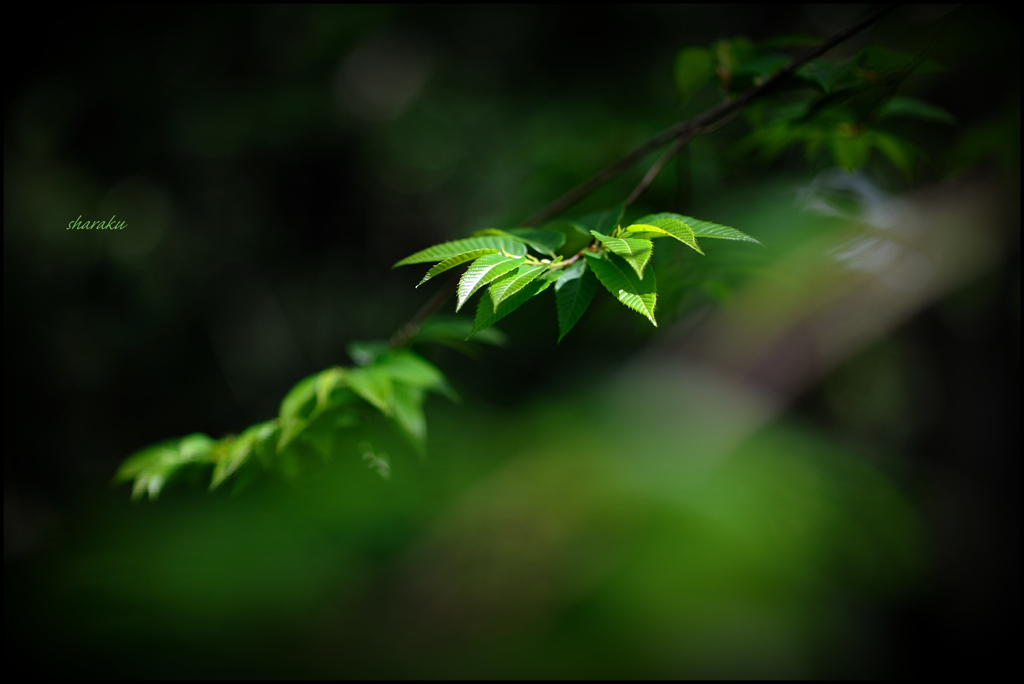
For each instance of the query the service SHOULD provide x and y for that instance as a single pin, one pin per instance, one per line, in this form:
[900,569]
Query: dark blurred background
[272,163]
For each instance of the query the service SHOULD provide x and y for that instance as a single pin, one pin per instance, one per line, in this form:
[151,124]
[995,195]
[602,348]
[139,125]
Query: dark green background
[272,163]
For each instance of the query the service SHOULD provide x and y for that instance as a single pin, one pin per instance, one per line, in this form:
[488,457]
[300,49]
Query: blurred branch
[656,168]
[673,149]
[688,128]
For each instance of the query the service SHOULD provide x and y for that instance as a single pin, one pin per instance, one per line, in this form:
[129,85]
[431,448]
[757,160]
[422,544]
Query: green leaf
[898,151]
[729,55]
[452,262]
[680,231]
[700,228]
[484,270]
[240,450]
[692,69]
[613,272]
[322,433]
[523,276]
[298,398]
[409,368]
[487,314]
[447,250]
[574,289]
[325,384]
[605,221]
[636,252]
[290,429]
[373,385]
[850,151]
[914,108]
[671,225]
[824,74]
[237,453]
[265,445]
[453,330]
[408,405]
[152,467]
[543,240]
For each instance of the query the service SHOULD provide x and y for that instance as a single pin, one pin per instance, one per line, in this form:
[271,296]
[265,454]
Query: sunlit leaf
[487,314]
[265,445]
[670,225]
[325,384]
[700,228]
[484,270]
[447,250]
[237,453]
[452,262]
[616,275]
[693,68]
[574,289]
[298,398]
[153,466]
[523,276]
[373,385]
[636,251]
[408,368]
[290,429]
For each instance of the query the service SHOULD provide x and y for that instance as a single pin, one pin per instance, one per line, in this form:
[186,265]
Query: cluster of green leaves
[320,417]
[618,258]
[841,108]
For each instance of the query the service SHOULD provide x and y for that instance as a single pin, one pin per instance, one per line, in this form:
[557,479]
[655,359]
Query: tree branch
[681,133]
[673,149]
[708,117]
[656,168]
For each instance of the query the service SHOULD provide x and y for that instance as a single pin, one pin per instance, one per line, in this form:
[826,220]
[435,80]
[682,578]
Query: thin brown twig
[708,117]
[656,168]
[672,151]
